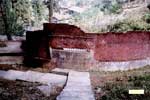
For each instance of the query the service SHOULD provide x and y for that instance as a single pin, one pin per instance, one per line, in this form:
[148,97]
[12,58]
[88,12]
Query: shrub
[110,7]
[129,25]
[146,17]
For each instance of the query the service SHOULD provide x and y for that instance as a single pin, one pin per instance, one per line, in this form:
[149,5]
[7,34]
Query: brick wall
[106,47]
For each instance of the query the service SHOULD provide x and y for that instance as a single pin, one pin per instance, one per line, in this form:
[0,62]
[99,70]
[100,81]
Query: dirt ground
[20,90]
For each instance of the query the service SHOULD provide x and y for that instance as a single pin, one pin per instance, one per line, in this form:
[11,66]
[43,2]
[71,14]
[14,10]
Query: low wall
[111,51]
[84,61]
[106,47]
[122,46]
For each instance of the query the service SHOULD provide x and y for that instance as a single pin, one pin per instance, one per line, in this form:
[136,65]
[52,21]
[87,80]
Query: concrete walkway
[78,87]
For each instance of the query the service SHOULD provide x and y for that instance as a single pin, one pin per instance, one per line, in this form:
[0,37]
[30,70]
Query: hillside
[99,15]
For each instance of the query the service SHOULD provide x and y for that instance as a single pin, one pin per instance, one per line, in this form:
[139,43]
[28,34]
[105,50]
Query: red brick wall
[119,47]
[106,47]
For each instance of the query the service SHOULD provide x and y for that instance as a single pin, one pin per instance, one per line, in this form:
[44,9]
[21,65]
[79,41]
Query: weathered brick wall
[120,47]
[106,47]
[69,36]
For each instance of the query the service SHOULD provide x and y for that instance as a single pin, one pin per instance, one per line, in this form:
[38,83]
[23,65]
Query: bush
[114,8]
[146,17]
[129,25]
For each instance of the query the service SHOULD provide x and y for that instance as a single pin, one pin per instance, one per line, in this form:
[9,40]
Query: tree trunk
[50,7]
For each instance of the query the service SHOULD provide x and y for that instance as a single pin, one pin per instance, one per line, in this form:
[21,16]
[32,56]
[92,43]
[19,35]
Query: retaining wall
[107,51]
[106,46]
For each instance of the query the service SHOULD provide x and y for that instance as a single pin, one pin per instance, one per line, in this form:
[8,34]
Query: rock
[45,89]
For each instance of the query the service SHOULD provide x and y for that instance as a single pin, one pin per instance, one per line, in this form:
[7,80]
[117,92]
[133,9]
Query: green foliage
[129,25]
[111,7]
[10,18]
[22,14]
[146,17]
[38,11]
[119,90]
[23,11]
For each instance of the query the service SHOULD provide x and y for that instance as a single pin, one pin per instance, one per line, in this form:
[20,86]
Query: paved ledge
[122,66]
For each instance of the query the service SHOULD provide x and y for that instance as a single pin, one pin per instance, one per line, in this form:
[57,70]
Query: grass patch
[119,90]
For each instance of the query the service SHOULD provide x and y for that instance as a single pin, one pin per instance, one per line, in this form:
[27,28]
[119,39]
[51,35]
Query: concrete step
[53,79]
[31,76]
[13,75]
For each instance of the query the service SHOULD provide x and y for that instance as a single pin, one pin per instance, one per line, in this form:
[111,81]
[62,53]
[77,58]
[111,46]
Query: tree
[12,16]
[6,11]
[39,13]
[50,5]
[23,10]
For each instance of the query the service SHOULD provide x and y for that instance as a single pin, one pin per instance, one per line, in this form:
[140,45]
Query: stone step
[31,76]
[53,79]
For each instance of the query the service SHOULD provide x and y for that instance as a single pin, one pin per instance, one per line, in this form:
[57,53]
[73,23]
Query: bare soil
[20,90]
